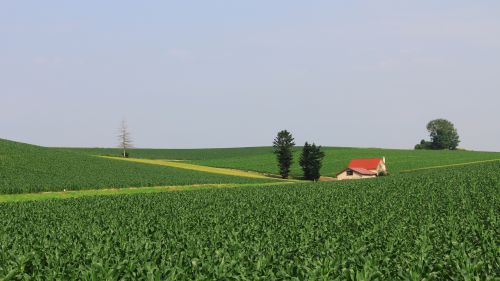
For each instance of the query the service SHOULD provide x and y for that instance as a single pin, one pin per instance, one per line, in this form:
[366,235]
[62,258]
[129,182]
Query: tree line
[310,159]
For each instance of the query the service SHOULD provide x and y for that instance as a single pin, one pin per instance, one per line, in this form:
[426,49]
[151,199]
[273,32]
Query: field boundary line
[71,194]
[200,168]
[449,165]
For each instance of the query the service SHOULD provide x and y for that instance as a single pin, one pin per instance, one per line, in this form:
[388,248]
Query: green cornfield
[27,168]
[435,225]
[262,159]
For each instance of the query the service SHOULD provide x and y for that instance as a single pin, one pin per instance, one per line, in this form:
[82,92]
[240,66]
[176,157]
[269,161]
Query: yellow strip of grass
[200,168]
[121,191]
[450,165]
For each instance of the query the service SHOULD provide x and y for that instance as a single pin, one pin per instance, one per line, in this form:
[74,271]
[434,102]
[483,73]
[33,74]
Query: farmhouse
[363,169]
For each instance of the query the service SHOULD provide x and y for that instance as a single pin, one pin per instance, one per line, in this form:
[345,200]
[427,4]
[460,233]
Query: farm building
[363,169]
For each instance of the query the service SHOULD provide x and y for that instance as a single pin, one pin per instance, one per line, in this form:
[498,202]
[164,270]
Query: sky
[233,73]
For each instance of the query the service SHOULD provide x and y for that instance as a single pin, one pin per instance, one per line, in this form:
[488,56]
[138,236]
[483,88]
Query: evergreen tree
[310,161]
[283,145]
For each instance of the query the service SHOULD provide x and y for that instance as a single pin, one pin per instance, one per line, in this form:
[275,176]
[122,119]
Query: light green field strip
[450,165]
[120,191]
[200,168]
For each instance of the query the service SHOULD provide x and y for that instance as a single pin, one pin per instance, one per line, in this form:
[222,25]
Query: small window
[349,172]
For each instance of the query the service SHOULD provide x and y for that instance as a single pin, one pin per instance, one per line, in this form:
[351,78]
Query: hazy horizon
[230,147]
[232,74]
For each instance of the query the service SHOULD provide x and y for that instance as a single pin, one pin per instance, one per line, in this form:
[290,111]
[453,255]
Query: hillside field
[28,168]
[437,224]
[262,159]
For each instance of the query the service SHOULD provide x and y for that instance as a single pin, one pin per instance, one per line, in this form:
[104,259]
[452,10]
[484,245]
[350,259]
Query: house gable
[363,168]
[356,173]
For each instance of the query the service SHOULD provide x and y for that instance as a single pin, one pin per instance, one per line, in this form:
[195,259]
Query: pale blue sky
[233,73]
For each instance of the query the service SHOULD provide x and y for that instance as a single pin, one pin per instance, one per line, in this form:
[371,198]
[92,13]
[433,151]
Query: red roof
[363,171]
[368,163]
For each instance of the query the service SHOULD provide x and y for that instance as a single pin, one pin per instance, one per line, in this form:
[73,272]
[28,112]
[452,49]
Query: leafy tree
[283,145]
[423,145]
[310,161]
[443,134]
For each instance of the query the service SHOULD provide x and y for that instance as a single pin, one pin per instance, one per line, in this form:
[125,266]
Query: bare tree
[124,138]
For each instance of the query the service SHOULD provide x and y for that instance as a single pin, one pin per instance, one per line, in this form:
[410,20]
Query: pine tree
[310,161]
[283,145]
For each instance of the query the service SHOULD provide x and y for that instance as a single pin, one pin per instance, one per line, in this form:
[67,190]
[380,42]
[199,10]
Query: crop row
[26,168]
[438,225]
[262,159]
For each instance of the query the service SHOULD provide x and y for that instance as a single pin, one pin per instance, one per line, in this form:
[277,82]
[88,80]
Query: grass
[261,159]
[193,167]
[22,197]
[450,165]
[179,154]
[337,158]
[434,225]
[27,168]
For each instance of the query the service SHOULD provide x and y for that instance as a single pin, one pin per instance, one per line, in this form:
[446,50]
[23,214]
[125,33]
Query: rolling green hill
[262,159]
[28,168]
[181,154]
[434,225]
